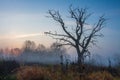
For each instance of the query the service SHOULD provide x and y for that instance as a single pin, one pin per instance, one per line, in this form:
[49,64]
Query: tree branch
[55,34]
[56,16]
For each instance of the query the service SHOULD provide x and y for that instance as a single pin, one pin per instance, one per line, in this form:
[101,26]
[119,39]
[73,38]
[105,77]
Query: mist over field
[30,54]
[59,40]
[54,57]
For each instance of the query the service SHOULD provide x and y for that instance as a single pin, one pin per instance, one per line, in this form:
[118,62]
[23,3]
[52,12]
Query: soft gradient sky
[22,20]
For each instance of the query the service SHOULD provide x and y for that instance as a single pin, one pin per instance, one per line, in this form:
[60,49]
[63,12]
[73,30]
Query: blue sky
[22,20]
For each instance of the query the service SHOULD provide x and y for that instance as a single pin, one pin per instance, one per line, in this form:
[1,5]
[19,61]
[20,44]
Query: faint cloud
[29,35]
[73,23]
[4,37]
[87,26]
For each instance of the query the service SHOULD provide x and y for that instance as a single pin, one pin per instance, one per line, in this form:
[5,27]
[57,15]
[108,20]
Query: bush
[6,67]
[8,77]
[100,76]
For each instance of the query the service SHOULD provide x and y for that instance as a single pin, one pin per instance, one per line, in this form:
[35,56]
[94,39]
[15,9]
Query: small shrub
[6,67]
[8,77]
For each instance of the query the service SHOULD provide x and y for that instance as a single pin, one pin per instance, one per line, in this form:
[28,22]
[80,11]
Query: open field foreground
[57,72]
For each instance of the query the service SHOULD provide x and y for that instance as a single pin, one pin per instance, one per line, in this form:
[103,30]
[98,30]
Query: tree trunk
[80,57]
[80,63]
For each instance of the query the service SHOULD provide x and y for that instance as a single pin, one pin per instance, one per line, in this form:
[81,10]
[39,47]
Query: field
[10,70]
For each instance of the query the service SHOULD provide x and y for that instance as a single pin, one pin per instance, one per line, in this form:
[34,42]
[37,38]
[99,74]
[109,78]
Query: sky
[22,20]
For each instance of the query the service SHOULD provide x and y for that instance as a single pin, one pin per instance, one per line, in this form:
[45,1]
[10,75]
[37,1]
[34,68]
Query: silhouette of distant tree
[1,50]
[116,58]
[57,49]
[82,35]
[29,46]
[15,51]
[41,48]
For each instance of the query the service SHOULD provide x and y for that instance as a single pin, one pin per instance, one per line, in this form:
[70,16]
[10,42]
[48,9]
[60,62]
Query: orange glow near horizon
[16,41]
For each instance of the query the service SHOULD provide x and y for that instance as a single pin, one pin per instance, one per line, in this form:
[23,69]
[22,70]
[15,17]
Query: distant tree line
[31,46]
[30,51]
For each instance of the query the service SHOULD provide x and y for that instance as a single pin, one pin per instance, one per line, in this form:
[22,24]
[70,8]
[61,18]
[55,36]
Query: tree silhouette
[41,48]
[82,35]
[56,48]
[29,46]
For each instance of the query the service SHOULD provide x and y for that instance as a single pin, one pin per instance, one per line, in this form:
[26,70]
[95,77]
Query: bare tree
[56,48]
[29,46]
[82,35]
[116,59]
[41,48]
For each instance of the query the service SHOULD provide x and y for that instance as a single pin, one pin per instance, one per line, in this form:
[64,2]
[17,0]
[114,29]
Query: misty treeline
[31,46]
[32,52]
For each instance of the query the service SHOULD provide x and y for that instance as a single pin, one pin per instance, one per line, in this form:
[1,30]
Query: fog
[45,58]
[55,58]
[32,53]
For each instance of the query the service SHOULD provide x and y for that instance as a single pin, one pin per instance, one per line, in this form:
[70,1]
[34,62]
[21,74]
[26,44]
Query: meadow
[11,70]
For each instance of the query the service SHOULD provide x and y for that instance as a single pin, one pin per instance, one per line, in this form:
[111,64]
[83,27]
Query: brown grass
[33,73]
[103,75]
[55,73]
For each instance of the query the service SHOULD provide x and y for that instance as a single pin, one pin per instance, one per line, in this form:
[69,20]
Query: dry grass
[100,76]
[44,73]
[33,73]
[55,73]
